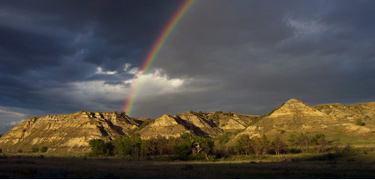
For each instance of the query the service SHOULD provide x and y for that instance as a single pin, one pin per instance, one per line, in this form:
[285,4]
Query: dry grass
[288,166]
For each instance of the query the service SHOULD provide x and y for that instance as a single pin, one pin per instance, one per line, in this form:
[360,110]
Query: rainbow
[153,53]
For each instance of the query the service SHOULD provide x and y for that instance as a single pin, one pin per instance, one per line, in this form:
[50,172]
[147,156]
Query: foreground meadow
[306,165]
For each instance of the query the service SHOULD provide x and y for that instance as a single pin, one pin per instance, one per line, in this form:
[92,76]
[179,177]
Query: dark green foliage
[262,145]
[99,147]
[228,113]
[130,144]
[202,145]
[34,149]
[244,145]
[183,147]
[1,150]
[359,122]
[19,151]
[269,113]
[44,149]
[274,109]
[314,139]
[301,140]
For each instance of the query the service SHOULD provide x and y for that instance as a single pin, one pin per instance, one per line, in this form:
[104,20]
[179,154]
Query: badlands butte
[72,132]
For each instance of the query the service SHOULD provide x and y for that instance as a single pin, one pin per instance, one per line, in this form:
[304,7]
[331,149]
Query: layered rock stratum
[72,132]
[67,132]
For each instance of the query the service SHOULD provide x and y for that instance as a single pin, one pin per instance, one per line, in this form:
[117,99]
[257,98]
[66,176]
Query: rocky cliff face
[72,132]
[68,132]
[332,119]
[165,126]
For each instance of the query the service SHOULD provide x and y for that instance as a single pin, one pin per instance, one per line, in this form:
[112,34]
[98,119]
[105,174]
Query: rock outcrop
[72,132]
[68,132]
[332,119]
[165,126]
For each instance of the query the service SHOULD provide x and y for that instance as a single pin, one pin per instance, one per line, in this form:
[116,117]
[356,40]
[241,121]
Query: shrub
[315,138]
[1,150]
[19,151]
[359,122]
[34,149]
[44,149]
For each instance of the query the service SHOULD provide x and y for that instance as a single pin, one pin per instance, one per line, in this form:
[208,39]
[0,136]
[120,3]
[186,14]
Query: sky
[244,56]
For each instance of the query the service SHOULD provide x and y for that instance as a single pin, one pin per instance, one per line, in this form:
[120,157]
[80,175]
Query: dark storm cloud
[49,49]
[266,52]
[241,56]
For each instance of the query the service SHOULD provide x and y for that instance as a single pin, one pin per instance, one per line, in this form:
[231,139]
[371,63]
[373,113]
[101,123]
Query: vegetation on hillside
[191,147]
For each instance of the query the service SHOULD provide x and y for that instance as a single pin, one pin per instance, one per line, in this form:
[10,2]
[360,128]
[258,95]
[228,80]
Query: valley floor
[288,166]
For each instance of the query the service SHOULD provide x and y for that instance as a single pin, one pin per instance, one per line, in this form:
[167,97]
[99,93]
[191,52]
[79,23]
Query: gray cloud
[241,56]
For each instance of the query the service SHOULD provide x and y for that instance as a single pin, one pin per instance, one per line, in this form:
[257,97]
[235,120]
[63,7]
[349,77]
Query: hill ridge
[71,132]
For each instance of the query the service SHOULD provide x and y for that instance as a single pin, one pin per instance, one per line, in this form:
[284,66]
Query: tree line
[191,147]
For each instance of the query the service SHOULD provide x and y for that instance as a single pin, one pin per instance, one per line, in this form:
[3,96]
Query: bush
[315,138]
[19,151]
[34,149]
[1,150]
[44,149]
[359,122]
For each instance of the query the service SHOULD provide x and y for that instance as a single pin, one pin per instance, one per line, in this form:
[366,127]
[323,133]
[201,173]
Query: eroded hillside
[72,132]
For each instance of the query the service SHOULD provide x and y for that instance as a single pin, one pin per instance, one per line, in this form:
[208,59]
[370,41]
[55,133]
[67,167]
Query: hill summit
[72,132]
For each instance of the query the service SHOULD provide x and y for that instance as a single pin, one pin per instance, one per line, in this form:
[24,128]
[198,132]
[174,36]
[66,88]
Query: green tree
[34,149]
[130,144]
[44,149]
[244,145]
[203,145]
[262,145]
[99,147]
[279,145]
[303,140]
[183,146]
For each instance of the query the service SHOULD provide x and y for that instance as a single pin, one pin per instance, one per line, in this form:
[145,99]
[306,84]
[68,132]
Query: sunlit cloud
[99,70]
